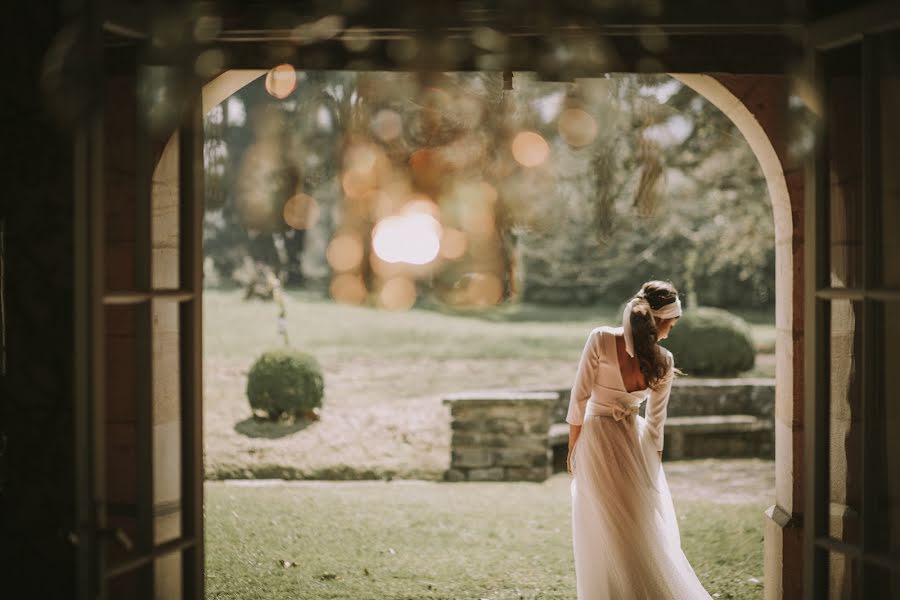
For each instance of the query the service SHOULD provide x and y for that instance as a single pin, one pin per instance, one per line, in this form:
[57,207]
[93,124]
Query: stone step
[719,436]
[717,423]
[558,435]
[709,436]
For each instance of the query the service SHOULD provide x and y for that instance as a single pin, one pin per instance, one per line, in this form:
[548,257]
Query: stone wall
[522,436]
[705,397]
[500,436]
[705,418]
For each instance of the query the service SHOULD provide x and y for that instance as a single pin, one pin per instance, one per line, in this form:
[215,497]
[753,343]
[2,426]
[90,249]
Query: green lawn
[331,330]
[238,328]
[424,540]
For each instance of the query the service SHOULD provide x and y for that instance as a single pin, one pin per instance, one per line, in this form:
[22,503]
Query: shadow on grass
[262,428]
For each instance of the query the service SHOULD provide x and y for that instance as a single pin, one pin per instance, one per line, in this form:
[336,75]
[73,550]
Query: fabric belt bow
[623,411]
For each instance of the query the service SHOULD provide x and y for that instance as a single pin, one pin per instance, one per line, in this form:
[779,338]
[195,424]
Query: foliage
[667,188]
[285,383]
[706,224]
[711,341]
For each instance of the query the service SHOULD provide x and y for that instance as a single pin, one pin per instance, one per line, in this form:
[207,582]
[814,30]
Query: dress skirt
[625,533]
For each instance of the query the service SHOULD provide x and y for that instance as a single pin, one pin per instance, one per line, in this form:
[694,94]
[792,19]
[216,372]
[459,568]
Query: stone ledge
[500,396]
[558,434]
[723,382]
[717,424]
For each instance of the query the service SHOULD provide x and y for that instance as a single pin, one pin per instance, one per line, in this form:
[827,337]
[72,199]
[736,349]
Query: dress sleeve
[657,403]
[584,379]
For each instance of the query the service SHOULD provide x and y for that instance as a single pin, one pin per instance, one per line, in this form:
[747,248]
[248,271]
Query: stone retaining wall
[504,435]
[500,436]
[705,397]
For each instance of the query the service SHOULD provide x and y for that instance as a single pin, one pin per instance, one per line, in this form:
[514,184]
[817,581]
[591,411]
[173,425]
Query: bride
[625,535]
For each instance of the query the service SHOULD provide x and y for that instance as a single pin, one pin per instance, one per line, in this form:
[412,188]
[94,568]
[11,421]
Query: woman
[625,535]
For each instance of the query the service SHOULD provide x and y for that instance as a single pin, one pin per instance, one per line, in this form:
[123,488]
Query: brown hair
[653,295]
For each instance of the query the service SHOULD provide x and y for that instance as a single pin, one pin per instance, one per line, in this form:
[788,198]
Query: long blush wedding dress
[625,534]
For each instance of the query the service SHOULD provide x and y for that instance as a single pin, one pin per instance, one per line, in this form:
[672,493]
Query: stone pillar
[757,105]
[500,436]
[765,97]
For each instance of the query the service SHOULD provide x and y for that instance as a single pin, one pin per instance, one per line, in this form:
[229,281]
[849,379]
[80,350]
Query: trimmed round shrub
[285,383]
[711,342]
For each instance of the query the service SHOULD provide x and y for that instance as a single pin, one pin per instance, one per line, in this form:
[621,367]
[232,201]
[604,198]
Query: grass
[424,540]
[341,331]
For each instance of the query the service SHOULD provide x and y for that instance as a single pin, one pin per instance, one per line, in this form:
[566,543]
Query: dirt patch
[736,481]
[381,419]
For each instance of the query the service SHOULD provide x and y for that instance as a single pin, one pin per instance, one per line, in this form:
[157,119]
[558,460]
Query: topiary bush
[285,383]
[711,342]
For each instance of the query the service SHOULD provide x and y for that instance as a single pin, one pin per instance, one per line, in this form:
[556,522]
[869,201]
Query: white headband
[669,311]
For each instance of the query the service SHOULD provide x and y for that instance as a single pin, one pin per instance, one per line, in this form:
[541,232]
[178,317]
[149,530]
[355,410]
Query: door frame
[93,533]
[857,26]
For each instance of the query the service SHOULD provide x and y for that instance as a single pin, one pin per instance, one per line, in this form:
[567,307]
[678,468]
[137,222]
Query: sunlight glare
[411,237]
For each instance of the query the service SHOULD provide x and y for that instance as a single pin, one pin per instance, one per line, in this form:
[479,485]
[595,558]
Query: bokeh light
[356,39]
[577,127]
[397,293]
[348,288]
[484,289]
[412,237]
[345,252]
[530,149]
[281,81]
[209,62]
[360,174]
[301,211]
[360,157]
[453,243]
[473,207]
[357,184]
[387,125]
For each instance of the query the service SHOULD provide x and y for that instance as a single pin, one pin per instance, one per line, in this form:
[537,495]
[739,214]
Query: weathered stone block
[454,475]
[527,474]
[543,459]
[539,427]
[504,425]
[491,474]
[513,457]
[471,457]
[465,439]
[458,424]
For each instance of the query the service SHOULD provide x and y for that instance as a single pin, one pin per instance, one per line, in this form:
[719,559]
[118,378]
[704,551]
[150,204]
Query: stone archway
[756,105]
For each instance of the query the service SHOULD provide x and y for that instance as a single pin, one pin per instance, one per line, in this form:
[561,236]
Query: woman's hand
[660,455]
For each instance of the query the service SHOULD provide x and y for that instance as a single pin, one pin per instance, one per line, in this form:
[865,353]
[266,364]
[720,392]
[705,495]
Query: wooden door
[852,539]
[139,259]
